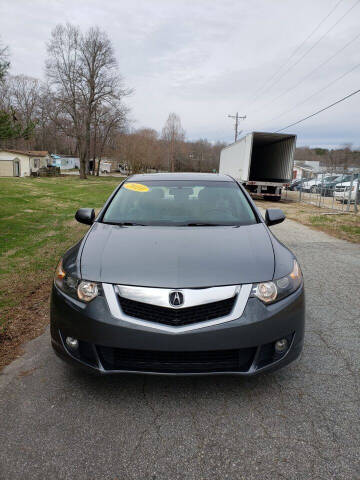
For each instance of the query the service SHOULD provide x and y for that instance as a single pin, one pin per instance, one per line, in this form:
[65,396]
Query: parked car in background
[316,185]
[328,186]
[296,184]
[345,190]
[311,185]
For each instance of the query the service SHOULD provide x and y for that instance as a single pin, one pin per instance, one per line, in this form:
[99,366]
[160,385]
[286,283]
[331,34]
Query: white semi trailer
[262,162]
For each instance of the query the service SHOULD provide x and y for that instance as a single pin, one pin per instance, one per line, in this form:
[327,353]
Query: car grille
[176,362]
[340,189]
[177,317]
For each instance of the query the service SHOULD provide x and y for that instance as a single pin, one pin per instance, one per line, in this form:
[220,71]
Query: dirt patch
[52,233]
[10,252]
[24,321]
[25,373]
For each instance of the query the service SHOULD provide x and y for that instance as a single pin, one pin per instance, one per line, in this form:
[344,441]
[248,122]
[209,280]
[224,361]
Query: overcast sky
[204,59]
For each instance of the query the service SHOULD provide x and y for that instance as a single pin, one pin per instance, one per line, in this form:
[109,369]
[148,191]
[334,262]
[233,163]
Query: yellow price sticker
[136,187]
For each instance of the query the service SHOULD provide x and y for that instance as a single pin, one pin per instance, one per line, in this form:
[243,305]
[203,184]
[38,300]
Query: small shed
[105,167]
[21,163]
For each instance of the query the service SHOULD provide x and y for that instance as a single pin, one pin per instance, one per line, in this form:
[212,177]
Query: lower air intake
[176,362]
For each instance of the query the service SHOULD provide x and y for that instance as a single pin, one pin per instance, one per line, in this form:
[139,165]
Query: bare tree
[103,85]
[173,134]
[4,60]
[25,95]
[5,94]
[140,150]
[19,97]
[82,73]
[63,72]
[107,122]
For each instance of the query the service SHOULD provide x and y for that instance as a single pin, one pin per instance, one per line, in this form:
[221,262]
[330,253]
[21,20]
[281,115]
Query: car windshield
[175,202]
[342,178]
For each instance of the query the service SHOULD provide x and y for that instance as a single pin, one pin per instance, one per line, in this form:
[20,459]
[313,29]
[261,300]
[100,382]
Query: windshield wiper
[126,224]
[200,224]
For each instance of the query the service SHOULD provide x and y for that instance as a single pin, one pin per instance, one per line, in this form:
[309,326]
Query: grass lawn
[37,225]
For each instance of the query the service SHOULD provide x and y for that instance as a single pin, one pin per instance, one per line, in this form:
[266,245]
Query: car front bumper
[344,196]
[244,346]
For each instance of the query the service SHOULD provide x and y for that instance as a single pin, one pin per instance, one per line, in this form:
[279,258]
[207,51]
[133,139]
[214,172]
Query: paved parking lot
[299,423]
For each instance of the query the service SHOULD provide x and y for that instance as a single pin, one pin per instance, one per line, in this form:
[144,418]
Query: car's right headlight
[83,290]
[270,292]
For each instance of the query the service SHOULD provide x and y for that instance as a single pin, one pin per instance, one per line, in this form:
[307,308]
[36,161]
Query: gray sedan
[178,274]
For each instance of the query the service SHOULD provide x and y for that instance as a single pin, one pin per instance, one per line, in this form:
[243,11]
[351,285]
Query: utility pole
[237,118]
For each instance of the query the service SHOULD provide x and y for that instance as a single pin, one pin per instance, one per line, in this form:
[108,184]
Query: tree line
[80,109]
[334,160]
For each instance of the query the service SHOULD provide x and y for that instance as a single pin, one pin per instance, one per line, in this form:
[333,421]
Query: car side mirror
[274,216]
[85,215]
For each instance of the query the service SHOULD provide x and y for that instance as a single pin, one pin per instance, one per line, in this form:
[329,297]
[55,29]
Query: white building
[20,163]
[65,162]
[305,169]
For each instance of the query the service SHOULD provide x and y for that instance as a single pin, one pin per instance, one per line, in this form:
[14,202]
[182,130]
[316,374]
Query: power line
[319,111]
[316,93]
[297,49]
[310,49]
[310,73]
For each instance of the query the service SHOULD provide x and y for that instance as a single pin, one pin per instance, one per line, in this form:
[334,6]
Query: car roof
[193,176]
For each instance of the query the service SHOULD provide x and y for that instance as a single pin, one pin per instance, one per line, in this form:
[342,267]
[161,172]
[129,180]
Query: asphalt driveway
[299,423]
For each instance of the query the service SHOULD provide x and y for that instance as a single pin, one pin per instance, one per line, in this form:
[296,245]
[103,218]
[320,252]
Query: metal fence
[340,193]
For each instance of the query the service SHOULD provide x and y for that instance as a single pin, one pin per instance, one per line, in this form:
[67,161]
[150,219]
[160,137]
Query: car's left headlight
[79,289]
[270,292]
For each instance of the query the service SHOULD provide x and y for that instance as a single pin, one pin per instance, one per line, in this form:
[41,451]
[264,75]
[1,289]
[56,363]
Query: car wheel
[313,189]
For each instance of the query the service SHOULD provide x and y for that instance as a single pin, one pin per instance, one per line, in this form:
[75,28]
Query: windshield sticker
[136,187]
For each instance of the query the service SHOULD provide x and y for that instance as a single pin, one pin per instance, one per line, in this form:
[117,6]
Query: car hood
[177,257]
[330,184]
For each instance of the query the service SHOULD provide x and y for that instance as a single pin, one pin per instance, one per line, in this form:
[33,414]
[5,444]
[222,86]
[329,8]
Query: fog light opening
[72,343]
[281,345]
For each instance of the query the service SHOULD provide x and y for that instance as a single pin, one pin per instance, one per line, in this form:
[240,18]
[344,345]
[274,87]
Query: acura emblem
[176,299]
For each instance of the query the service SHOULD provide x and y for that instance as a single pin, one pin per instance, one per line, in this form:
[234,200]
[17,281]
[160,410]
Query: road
[301,422]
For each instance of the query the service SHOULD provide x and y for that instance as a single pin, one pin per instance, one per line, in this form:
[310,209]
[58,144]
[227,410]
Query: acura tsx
[178,274]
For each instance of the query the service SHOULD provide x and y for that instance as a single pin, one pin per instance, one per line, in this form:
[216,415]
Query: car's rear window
[178,202]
